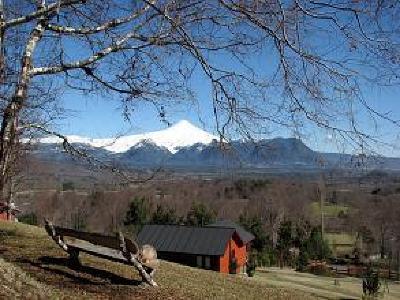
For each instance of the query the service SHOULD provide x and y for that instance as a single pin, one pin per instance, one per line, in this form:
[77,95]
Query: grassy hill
[340,287]
[33,267]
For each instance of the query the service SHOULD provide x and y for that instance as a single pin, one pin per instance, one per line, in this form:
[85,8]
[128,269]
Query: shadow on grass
[52,264]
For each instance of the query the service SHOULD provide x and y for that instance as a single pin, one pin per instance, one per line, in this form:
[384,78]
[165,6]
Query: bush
[164,216]
[313,248]
[266,257]
[251,272]
[263,259]
[68,186]
[251,266]
[255,226]
[233,266]
[137,215]
[317,247]
[302,261]
[29,218]
[371,282]
[200,215]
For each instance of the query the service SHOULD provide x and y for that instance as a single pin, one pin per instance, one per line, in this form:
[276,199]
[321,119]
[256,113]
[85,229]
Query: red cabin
[221,247]
[8,212]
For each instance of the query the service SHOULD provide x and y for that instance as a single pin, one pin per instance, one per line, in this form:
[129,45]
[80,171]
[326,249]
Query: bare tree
[267,62]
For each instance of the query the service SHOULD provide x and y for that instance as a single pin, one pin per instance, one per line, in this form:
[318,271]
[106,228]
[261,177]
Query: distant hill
[184,145]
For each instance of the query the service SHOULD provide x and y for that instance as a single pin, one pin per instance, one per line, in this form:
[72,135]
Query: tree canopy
[288,63]
[200,215]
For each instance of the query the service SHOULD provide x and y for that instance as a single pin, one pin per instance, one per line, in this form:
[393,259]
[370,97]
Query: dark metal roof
[244,235]
[186,239]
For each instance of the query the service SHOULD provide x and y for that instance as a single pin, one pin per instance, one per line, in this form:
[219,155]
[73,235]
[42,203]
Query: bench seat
[115,248]
[96,250]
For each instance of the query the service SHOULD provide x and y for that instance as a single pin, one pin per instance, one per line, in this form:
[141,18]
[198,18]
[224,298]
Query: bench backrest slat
[131,246]
[94,238]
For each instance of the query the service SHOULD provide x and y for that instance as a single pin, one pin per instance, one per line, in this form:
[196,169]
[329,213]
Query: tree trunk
[382,242]
[2,61]
[9,126]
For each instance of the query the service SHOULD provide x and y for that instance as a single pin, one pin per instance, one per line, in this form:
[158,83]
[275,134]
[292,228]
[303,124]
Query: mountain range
[184,145]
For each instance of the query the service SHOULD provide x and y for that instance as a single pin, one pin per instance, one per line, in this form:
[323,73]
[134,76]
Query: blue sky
[94,116]
[98,117]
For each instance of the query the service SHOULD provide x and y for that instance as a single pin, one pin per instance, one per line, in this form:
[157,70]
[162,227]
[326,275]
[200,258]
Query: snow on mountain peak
[181,134]
[184,124]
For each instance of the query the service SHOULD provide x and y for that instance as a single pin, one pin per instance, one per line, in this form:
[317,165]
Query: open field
[330,210]
[341,243]
[33,267]
[320,286]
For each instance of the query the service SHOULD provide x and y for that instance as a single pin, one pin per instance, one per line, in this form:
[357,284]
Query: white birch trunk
[8,131]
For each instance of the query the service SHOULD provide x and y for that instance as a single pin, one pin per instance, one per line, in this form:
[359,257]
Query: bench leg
[149,271]
[134,261]
[143,272]
[74,257]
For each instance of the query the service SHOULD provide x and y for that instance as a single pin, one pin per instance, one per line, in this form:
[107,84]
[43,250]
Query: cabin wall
[235,248]
[3,216]
[208,262]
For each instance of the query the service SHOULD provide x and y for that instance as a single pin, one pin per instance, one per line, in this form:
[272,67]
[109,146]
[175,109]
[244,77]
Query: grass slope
[330,210]
[33,267]
[321,286]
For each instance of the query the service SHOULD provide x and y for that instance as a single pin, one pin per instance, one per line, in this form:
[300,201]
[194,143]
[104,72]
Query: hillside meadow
[33,267]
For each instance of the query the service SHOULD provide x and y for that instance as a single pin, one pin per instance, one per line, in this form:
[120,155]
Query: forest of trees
[263,206]
[140,213]
[291,235]
[301,235]
[148,53]
[278,211]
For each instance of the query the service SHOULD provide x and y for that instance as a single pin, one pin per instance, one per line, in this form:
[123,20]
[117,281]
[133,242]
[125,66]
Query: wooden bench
[115,248]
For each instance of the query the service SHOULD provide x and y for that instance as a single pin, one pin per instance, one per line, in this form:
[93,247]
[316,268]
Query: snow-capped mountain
[181,134]
[184,145]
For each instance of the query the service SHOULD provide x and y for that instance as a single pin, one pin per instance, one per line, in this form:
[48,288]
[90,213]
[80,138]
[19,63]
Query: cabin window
[199,261]
[207,262]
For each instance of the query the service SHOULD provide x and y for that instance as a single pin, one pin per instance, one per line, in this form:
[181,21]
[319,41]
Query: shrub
[137,215]
[317,247]
[263,259]
[302,261]
[68,186]
[255,226]
[28,218]
[251,266]
[200,215]
[251,271]
[233,266]
[164,216]
[371,282]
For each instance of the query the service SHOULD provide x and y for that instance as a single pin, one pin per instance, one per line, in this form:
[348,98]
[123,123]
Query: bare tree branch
[50,9]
